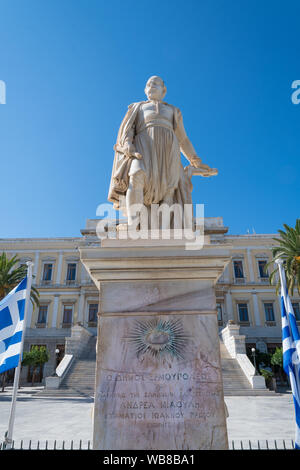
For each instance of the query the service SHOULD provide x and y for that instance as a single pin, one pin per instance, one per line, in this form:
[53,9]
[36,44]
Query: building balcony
[53,286]
[46,282]
[244,323]
[239,280]
[264,280]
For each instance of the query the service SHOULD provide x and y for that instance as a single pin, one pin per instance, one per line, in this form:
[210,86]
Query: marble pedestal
[158,374]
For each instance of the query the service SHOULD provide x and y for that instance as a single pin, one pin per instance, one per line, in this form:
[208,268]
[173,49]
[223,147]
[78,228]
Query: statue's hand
[137,155]
[197,163]
[130,151]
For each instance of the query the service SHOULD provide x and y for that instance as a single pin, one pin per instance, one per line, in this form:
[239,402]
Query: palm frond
[289,252]
[11,275]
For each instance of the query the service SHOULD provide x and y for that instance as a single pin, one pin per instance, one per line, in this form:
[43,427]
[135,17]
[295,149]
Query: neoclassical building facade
[68,296]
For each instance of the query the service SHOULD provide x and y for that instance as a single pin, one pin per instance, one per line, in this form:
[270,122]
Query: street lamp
[254,360]
[57,356]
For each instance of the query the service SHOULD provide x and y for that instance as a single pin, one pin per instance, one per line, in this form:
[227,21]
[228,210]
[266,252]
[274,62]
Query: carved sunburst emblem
[158,338]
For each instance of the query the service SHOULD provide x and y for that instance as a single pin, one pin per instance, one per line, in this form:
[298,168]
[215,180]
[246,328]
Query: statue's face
[155,89]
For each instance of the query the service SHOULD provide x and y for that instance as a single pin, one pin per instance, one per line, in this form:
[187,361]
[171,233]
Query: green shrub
[34,358]
[268,375]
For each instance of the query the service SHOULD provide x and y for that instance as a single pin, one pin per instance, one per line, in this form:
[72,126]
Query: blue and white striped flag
[12,309]
[291,349]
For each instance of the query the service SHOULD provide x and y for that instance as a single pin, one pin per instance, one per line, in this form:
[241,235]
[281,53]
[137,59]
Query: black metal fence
[278,444]
[48,445]
[268,444]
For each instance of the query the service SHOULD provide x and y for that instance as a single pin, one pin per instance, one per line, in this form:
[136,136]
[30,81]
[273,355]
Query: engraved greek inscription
[137,405]
[201,415]
[121,415]
[165,416]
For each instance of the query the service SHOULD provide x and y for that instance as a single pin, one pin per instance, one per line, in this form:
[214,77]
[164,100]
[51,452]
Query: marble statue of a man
[147,167]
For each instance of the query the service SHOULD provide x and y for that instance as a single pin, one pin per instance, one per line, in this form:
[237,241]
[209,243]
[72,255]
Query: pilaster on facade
[59,268]
[55,310]
[226,275]
[250,265]
[256,309]
[36,264]
[81,307]
[30,312]
[229,306]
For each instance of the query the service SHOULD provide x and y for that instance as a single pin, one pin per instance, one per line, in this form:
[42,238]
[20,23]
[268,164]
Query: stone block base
[159,383]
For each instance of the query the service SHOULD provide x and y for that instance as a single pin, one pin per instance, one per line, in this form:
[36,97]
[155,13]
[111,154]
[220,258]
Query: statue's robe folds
[160,138]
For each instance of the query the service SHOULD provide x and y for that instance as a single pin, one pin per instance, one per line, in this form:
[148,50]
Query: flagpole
[282,277]
[9,433]
[279,263]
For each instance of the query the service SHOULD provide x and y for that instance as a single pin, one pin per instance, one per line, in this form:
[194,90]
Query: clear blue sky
[71,68]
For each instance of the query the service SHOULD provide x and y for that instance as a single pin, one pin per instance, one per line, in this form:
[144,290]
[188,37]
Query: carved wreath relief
[158,338]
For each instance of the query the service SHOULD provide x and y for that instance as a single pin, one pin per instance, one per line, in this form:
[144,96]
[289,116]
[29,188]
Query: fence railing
[30,444]
[268,444]
[275,444]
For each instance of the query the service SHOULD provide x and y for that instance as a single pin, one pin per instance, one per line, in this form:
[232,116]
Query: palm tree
[289,251]
[11,276]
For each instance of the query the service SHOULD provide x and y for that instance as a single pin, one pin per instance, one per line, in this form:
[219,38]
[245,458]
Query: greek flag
[291,350]
[12,309]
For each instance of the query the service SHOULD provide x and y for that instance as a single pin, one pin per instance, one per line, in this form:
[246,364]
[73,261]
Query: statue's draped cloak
[159,146]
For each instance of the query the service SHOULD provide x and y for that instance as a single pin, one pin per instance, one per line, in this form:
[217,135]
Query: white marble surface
[144,401]
[153,400]
[147,167]
[157,295]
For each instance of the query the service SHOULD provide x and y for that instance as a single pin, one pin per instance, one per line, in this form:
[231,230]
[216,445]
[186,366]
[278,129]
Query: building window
[67,316]
[243,313]
[296,308]
[220,314]
[47,273]
[93,310]
[269,312]
[71,273]
[263,274]
[42,315]
[238,269]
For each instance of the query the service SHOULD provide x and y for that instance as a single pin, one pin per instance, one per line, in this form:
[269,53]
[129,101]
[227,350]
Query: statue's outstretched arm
[186,145]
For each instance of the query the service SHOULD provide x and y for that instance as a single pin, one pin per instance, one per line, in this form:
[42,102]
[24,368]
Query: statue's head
[155,88]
